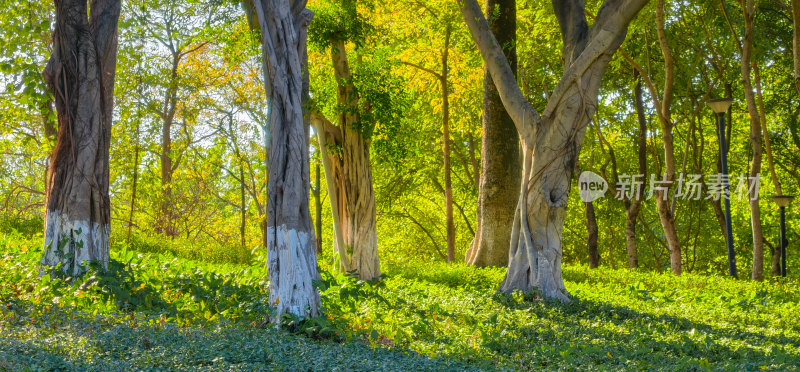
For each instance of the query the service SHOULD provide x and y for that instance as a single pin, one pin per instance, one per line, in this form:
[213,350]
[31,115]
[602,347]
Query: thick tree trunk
[292,262]
[352,178]
[591,236]
[755,140]
[80,74]
[500,162]
[552,141]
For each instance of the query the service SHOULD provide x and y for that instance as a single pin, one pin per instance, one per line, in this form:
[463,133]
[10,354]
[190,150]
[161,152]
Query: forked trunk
[535,253]
[80,74]
[292,261]
[551,142]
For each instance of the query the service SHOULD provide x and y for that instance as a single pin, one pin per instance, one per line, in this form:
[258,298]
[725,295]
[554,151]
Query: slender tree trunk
[476,170]
[448,185]
[133,186]
[591,236]
[774,250]
[318,209]
[765,131]
[243,226]
[500,161]
[717,204]
[170,98]
[665,213]
[80,74]
[755,139]
[292,262]
[796,42]
[551,141]
[635,205]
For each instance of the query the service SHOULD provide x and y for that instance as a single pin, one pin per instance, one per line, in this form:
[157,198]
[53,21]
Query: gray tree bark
[80,74]
[500,161]
[552,141]
[292,261]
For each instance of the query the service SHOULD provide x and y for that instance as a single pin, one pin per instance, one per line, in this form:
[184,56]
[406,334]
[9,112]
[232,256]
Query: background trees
[215,194]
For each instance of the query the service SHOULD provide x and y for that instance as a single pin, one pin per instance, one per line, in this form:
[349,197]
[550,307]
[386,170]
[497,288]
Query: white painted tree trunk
[80,73]
[291,255]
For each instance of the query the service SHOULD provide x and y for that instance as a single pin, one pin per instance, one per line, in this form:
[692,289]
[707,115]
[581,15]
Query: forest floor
[154,311]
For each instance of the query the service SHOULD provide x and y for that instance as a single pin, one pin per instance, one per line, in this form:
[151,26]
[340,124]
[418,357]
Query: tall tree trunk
[665,213]
[448,184]
[292,261]
[551,141]
[774,250]
[635,205]
[243,225]
[749,9]
[80,74]
[591,236]
[500,161]
[134,185]
[796,42]
[318,208]
[168,115]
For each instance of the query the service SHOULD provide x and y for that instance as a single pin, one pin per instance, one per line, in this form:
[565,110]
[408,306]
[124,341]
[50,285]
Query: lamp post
[783,201]
[720,106]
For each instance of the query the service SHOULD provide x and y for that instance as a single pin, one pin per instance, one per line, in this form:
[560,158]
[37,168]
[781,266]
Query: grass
[155,311]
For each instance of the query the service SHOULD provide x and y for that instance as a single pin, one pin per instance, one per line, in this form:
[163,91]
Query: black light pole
[783,201]
[720,106]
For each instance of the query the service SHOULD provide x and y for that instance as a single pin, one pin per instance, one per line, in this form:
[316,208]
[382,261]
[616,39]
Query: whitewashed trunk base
[86,241]
[292,267]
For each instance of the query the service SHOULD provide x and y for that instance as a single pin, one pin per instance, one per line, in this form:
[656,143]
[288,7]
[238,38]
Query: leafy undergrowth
[155,311]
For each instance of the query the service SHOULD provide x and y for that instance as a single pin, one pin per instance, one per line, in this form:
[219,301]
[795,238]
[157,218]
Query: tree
[500,160]
[292,261]
[796,42]
[345,146]
[80,74]
[745,48]
[551,141]
[444,85]
[177,28]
